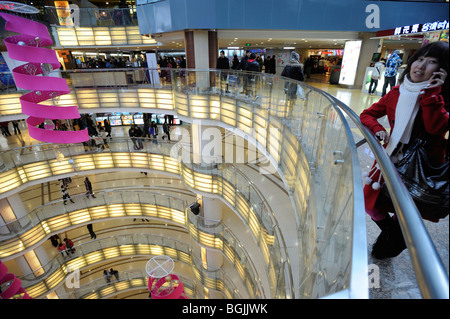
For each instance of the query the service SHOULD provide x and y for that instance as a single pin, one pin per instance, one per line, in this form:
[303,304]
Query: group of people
[5,128]
[65,182]
[151,130]
[390,67]
[107,274]
[65,247]
[268,64]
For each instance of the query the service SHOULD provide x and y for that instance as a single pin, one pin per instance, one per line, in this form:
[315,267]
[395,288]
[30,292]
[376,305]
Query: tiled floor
[397,278]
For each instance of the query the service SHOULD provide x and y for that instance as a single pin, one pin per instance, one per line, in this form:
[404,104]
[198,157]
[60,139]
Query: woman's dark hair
[438,50]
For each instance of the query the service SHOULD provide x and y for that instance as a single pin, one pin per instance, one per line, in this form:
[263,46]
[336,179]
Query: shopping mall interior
[247,193]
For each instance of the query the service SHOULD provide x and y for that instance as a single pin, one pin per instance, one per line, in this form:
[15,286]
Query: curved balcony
[230,184]
[50,276]
[307,140]
[98,289]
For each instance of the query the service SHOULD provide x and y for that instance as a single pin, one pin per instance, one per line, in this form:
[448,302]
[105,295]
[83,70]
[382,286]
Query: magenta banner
[29,46]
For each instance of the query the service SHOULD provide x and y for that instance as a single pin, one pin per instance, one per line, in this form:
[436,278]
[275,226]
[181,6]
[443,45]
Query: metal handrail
[430,272]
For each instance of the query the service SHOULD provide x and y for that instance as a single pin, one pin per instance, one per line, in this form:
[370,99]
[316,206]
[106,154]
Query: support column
[33,261]
[212,213]
[11,210]
[201,53]
[368,48]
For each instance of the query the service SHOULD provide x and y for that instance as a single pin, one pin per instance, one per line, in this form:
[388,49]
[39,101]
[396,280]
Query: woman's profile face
[422,69]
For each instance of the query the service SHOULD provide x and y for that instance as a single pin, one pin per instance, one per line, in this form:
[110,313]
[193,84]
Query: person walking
[166,130]
[244,60]
[16,127]
[250,80]
[223,64]
[115,273]
[91,231]
[107,275]
[153,131]
[138,134]
[65,195]
[107,128]
[235,62]
[419,105]
[292,70]
[273,65]
[392,65]
[132,134]
[376,73]
[88,185]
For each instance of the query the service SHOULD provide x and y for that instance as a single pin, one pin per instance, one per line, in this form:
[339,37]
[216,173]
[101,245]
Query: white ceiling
[279,39]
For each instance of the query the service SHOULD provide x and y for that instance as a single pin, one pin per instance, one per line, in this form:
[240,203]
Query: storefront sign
[418,28]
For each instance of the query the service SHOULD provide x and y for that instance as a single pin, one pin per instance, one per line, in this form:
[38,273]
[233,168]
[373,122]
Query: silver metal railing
[430,272]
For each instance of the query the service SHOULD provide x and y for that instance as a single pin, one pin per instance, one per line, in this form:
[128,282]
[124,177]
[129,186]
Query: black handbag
[427,184]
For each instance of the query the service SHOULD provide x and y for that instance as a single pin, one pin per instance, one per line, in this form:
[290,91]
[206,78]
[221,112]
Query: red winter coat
[432,117]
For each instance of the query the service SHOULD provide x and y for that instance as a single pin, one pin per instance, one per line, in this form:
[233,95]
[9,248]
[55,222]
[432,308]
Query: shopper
[91,231]
[420,104]
[132,134]
[244,60]
[392,65]
[5,129]
[138,134]
[107,128]
[223,64]
[107,275]
[69,245]
[88,185]
[65,195]
[115,273]
[376,73]
[62,248]
[250,80]
[309,63]
[16,127]
[166,130]
[266,64]
[292,70]
[153,131]
[235,62]
[55,240]
[273,65]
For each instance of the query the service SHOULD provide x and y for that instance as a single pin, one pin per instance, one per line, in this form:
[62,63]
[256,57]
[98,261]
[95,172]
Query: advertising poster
[5,74]
[350,60]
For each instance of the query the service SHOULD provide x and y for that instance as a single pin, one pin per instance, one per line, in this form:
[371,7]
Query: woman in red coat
[418,104]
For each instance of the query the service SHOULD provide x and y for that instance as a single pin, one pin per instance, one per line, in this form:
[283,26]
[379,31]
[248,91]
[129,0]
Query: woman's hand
[437,79]
[382,136]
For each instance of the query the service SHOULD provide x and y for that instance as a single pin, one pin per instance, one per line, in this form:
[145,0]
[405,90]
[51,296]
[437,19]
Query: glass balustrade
[305,137]
[41,281]
[97,289]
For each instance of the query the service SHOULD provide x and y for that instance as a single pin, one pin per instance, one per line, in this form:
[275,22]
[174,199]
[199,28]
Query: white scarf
[405,113]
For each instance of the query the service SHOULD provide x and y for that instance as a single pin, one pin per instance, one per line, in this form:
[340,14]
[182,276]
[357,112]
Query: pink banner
[28,47]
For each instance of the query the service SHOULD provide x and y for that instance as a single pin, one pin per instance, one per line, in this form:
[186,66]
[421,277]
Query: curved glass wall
[227,182]
[56,271]
[306,138]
